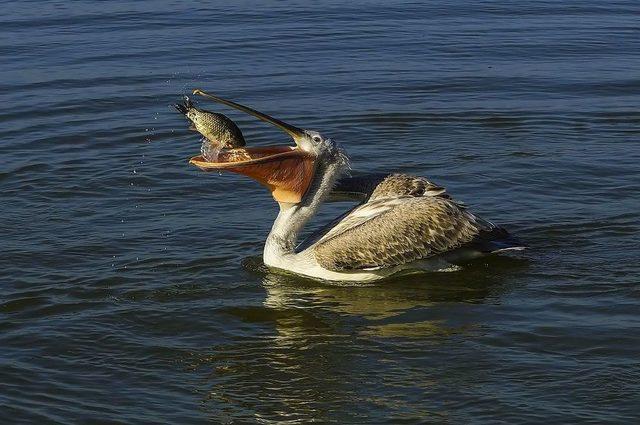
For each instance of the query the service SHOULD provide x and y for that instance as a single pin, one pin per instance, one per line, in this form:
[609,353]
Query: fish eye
[317,139]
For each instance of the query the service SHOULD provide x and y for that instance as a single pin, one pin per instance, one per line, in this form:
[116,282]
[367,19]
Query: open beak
[285,170]
[294,132]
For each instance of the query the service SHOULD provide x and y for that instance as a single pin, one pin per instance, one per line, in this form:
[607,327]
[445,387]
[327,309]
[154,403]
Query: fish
[218,129]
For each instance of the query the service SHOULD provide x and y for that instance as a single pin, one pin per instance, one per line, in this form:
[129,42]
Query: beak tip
[197,91]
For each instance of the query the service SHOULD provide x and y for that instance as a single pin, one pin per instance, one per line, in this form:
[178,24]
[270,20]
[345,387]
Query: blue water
[131,287]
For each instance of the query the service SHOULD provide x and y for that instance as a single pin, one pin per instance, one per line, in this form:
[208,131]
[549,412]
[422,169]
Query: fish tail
[184,107]
[181,108]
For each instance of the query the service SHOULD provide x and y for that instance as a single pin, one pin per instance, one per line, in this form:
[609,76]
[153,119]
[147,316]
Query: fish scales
[217,128]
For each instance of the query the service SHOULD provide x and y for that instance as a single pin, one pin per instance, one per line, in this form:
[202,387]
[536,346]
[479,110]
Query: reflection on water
[315,334]
[473,283]
[388,312]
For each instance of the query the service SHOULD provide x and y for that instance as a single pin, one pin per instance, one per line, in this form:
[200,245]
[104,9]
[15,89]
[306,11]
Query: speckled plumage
[391,231]
[402,219]
[403,184]
[368,187]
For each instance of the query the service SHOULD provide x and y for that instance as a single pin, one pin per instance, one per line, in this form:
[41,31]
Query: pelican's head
[287,171]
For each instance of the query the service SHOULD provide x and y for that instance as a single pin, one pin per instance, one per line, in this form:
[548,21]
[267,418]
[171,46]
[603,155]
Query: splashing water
[210,150]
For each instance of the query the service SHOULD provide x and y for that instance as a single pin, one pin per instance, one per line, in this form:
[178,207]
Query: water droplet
[210,150]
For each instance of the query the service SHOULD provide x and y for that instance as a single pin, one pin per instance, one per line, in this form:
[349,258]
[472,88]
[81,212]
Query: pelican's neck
[283,238]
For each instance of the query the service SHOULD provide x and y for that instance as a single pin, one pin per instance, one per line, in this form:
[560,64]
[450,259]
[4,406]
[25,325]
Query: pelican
[402,224]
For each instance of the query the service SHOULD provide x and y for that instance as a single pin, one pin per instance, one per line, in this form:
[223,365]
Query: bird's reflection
[321,342]
[476,283]
[423,305]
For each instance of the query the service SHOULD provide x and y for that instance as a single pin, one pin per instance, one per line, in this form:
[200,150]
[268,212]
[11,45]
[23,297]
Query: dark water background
[131,289]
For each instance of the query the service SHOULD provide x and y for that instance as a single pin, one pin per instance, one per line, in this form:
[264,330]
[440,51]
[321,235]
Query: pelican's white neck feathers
[331,163]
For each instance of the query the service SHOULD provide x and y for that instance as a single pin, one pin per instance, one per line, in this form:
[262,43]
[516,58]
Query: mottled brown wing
[405,184]
[394,231]
[376,186]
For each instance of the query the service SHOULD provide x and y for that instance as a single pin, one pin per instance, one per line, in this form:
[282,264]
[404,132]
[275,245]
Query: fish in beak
[215,127]
[286,171]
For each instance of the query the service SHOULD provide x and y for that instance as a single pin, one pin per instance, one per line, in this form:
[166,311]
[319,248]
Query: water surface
[131,288]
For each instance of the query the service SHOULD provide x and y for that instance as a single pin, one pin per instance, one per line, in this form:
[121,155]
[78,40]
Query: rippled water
[131,284]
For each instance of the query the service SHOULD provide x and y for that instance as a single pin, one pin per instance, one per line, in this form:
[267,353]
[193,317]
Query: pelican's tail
[499,240]
[509,244]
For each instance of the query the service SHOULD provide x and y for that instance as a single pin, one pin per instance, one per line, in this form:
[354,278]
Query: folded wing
[393,230]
